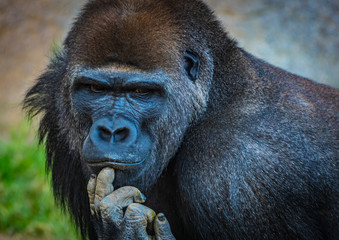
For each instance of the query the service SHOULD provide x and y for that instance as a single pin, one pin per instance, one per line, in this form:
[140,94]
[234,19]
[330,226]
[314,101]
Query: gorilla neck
[229,84]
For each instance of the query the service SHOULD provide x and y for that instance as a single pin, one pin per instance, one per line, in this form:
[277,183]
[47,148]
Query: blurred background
[301,36]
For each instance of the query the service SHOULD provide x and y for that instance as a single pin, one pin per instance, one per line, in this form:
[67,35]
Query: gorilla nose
[119,131]
[121,134]
[117,142]
[117,135]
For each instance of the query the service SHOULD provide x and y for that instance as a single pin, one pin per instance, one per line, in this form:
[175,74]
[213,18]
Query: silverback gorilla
[152,98]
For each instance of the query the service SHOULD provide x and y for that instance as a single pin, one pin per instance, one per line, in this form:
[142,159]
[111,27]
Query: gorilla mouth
[116,163]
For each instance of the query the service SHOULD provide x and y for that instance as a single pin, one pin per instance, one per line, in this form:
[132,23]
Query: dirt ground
[301,36]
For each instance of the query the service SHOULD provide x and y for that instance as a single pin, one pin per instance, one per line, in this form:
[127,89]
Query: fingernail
[93,176]
[143,197]
[161,217]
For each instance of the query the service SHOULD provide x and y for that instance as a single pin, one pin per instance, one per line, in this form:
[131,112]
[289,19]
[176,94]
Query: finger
[91,191]
[140,218]
[162,228]
[112,205]
[103,186]
[124,196]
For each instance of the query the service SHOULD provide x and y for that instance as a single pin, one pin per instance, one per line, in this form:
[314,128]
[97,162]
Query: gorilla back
[154,94]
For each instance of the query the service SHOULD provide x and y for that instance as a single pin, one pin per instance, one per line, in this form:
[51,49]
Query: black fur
[254,154]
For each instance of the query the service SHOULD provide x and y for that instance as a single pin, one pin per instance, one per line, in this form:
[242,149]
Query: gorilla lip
[117,164]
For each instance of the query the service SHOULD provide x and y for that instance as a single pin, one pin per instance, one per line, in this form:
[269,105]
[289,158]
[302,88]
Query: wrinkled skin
[133,223]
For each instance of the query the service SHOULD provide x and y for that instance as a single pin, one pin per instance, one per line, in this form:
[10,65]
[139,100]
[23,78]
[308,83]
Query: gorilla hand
[107,207]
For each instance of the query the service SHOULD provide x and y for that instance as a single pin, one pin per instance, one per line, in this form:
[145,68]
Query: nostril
[121,134]
[104,133]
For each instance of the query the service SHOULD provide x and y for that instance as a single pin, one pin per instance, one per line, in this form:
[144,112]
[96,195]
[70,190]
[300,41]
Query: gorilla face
[129,116]
[118,106]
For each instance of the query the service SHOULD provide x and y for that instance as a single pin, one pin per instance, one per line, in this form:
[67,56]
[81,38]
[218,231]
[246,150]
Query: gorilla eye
[192,64]
[97,89]
[140,90]
[143,91]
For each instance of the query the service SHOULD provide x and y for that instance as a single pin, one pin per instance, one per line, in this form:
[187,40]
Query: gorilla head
[133,83]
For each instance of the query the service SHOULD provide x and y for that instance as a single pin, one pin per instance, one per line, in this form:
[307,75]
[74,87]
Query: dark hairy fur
[255,154]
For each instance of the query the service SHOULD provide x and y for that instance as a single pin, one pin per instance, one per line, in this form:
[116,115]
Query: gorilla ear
[192,64]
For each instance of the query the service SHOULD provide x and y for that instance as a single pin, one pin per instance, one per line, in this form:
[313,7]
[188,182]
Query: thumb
[162,228]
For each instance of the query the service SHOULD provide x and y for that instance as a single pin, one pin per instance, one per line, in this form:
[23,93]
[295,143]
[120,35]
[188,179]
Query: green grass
[26,203]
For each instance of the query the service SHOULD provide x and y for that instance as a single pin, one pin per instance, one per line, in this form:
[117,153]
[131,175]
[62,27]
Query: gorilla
[153,98]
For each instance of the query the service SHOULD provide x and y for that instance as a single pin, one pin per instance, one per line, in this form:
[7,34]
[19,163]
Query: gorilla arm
[107,206]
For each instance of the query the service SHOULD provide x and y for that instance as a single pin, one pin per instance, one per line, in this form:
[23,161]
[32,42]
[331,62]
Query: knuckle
[133,207]
[102,205]
[104,208]
[110,212]
[134,212]
[100,192]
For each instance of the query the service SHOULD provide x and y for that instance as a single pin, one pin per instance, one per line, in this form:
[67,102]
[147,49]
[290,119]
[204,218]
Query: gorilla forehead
[140,33]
